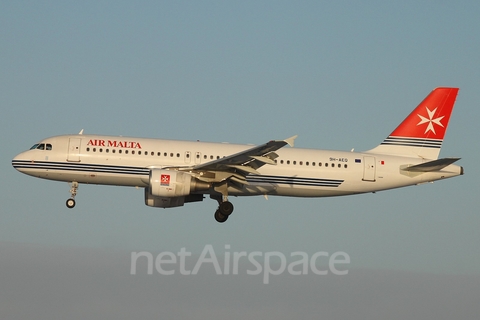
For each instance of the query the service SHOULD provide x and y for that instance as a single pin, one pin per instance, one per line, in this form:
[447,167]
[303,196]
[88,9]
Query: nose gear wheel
[73,192]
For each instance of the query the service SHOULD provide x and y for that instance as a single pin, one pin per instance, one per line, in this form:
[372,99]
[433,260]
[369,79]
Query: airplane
[174,172]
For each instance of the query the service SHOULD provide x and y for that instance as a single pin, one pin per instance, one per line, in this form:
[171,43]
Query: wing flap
[246,169]
[264,159]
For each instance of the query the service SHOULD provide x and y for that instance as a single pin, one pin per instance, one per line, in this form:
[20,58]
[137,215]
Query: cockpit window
[42,146]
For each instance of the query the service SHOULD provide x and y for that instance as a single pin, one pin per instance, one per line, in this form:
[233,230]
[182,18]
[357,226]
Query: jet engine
[169,188]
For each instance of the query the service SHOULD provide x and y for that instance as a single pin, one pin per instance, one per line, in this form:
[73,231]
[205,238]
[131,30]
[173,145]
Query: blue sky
[341,75]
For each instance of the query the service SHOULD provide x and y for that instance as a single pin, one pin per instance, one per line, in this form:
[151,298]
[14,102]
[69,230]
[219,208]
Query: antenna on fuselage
[81,132]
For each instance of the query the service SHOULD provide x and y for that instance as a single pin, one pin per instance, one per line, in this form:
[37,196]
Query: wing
[249,160]
[237,166]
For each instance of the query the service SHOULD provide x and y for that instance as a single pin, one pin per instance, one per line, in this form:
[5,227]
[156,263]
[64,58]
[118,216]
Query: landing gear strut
[73,191]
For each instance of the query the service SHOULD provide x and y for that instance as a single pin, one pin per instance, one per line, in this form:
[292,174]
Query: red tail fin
[422,132]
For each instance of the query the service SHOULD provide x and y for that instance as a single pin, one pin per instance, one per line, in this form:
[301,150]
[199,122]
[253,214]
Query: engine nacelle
[162,202]
[170,183]
[170,188]
[175,184]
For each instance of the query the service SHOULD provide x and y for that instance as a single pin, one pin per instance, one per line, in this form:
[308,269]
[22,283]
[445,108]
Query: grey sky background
[341,75]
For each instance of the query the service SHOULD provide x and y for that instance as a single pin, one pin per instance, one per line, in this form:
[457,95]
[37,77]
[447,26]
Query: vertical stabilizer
[421,133]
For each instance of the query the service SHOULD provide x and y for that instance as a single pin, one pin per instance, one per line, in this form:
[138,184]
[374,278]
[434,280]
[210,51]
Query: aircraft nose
[18,160]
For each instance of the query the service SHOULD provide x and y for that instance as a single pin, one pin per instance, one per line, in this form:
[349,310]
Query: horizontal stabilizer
[435,165]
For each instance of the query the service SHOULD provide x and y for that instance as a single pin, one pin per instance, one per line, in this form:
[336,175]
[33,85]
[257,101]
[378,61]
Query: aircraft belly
[94,178]
[309,191]
[287,190]
[114,179]
[252,190]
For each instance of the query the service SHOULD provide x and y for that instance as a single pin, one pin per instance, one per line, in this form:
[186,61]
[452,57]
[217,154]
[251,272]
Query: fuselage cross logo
[165,180]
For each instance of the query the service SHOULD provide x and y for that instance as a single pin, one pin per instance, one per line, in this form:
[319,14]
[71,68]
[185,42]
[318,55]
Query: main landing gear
[73,191]
[225,209]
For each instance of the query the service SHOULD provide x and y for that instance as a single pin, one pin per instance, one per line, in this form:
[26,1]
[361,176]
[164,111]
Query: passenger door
[74,149]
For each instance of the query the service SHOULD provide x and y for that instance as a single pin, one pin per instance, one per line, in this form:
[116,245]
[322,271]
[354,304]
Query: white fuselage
[126,161]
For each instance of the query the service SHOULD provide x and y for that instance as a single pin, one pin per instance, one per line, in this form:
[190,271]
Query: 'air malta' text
[114,144]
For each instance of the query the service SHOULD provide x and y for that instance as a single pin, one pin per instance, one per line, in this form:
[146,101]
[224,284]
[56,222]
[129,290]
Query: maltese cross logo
[430,120]
[165,180]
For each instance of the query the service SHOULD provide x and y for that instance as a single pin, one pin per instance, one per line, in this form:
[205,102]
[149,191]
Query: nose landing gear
[73,191]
